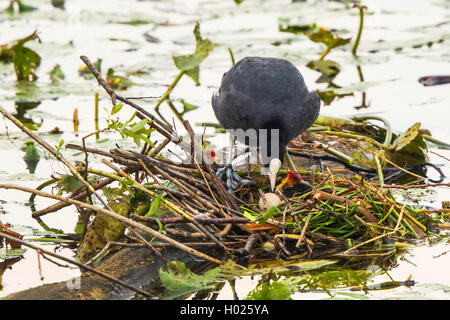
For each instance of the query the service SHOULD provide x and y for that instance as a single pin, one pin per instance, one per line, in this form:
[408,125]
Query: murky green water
[99,29]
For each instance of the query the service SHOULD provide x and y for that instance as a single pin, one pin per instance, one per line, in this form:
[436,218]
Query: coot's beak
[274,167]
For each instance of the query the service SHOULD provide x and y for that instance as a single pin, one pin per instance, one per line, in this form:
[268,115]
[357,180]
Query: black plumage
[266,93]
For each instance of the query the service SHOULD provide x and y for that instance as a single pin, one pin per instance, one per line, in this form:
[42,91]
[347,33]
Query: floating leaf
[31,156]
[328,96]
[56,74]
[190,63]
[68,183]
[317,34]
[58,3]
[31,153]
[21,7]
[281,266]
[328,69]
[179,280]
[409,148]
[117,82]
[6,254]
[273,291]
[84,71]
[407,137]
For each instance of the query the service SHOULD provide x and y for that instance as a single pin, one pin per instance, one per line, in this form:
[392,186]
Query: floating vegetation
[25,60]
[56,74]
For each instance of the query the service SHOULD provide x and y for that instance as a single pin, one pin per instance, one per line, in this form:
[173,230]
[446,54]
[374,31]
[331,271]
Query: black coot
[264,93]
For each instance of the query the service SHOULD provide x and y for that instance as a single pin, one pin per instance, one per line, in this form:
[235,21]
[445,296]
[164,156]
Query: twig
[169,204]
[302,234]
[204,220]
[58,156]
[361,209]
[116,216]
[149,245]
[381,235]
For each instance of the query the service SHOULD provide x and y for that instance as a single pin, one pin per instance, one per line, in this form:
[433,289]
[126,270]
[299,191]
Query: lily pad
[329,69]
[317,34]
[409,148]
[56,74]
[117,82]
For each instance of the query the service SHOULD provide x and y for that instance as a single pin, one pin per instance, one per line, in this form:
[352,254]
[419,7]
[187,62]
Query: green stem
[97,135]
[358,36]
[327,50]
[167,94]
[231,56]
[388,138]
[379,171]
[440,144]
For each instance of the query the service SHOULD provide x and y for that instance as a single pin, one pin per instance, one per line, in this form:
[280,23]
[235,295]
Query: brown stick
[199,226]
[361,209]
[204,220]
[76,196]
[302,234]
[57,155]
[116,216]
[160,126]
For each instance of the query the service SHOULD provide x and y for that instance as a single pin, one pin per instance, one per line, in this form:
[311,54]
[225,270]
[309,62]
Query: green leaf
[117,82]
[22,7]
[156,204]
[273,291]
[69,183]
[328,96]
[317,34]
[56,74]
[6,254]
[84,71]
[139,125]
[281,266]
[179,280]
[407,137]
[58,4]
[190,63]
[409,148]
[269,213]
[187,107]
[31,151]
[116,108]
[25,60]
[329,69]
